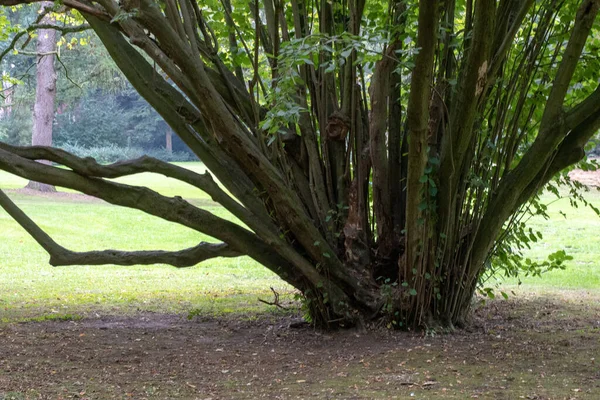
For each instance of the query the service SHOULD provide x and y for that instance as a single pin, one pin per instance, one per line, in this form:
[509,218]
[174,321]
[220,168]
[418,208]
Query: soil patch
[533,348]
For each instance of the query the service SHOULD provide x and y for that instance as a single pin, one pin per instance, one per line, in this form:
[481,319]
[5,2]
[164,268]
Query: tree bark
[8,91]
[169,141]
[417,121]
[45,94]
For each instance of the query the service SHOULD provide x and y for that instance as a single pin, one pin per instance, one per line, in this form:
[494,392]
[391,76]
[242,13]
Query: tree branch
[36,26]
[378,125]
[183,117]
[233,138]
[553,129]
[508,36]
[85,175]
[179,211]
[473,74]
[171,209]
[584,20]
[60,256]
[569,152]
[180,259]
[90,168]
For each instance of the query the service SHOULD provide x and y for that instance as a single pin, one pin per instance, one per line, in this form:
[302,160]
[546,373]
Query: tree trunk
[45,94]
[8,92]
[169,140]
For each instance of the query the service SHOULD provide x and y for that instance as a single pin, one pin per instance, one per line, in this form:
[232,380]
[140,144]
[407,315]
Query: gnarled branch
[61,256]
[171,209]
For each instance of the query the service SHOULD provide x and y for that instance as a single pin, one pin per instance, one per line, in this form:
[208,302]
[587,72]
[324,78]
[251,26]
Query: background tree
[97,112]
[378,169]
[45,91]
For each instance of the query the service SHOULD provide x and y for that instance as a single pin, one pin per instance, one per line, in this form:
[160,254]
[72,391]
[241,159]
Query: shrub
[16,128]
[112,153]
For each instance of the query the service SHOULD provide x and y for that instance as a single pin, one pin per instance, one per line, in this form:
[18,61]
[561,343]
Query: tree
[169,140]
[378,169]
[97,111]
[45,92]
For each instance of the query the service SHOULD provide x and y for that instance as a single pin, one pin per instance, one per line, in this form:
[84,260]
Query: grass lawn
[30,287]
[577,231]
[118,332]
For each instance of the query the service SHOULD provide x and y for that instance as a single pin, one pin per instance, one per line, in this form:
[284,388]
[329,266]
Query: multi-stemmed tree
[374,153]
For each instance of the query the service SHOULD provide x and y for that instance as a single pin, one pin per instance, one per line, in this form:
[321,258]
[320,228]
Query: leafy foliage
[112,153]
[99,120]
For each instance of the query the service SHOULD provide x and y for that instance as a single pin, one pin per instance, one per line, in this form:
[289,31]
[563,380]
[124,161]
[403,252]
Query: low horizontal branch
[62,29]
[173,209]
[61,256]
[91,168]
[180,259]
[33,27]
[38,54]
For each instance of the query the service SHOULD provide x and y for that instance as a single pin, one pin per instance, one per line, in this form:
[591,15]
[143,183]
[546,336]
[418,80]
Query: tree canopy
[377,155]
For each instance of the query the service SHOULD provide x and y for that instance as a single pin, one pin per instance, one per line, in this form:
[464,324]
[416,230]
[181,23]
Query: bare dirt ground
[530,348]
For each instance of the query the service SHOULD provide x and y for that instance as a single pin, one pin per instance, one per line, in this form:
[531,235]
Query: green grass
[29,286]
[578,234]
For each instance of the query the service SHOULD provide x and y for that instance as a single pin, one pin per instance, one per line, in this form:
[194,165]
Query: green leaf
[346,53]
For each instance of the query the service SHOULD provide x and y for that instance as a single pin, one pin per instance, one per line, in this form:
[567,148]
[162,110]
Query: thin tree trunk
[417,120]
[169,141]
[45,95]
[8,92]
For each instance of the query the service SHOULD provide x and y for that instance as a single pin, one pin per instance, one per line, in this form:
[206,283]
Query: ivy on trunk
[375,154]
